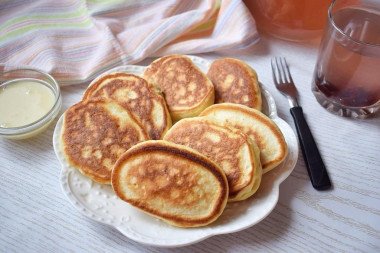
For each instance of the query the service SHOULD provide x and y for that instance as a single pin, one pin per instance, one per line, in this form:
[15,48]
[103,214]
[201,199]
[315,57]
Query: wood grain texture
[35,216]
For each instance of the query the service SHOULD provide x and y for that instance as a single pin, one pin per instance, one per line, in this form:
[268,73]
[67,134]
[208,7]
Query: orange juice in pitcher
[296,20]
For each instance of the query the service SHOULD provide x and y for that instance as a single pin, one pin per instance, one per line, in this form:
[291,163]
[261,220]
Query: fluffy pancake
[235,82]
[172,182]
[136,95]
[228,147]
[187,91]
[95,134]
[263,131]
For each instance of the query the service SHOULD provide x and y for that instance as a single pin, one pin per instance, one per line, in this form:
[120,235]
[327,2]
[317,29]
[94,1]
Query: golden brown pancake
[228,147]
[172,182]
[187,91]
[136,95]
[95,134]
[235,82]
[263,131]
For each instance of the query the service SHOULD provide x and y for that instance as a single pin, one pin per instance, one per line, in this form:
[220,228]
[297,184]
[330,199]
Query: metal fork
[314,163]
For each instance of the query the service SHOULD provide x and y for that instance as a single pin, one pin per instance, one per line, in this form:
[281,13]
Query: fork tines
[283,80]
[280,70]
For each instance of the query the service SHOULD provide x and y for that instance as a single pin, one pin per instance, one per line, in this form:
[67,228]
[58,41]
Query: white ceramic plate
[99,203]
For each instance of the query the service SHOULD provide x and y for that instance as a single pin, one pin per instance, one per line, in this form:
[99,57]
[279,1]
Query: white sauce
[23,102]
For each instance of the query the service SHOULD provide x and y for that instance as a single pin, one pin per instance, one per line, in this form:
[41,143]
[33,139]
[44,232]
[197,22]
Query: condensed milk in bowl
[29,101]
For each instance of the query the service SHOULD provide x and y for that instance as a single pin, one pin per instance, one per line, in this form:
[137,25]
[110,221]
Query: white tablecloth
[35,216]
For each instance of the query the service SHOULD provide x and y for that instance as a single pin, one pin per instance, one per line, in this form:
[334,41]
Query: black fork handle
[314,163]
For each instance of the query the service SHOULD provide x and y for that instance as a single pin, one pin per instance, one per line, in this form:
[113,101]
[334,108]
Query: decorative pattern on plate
[99,203]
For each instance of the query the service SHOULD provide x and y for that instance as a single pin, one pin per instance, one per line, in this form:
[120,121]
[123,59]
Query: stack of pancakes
[121,134]
[116,112]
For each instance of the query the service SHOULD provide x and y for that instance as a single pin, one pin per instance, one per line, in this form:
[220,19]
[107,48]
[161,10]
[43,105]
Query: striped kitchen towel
[76,40]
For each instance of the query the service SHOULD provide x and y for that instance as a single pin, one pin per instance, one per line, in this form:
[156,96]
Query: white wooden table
[35,216]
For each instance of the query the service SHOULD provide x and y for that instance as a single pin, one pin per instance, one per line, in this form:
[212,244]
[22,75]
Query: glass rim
[331,20]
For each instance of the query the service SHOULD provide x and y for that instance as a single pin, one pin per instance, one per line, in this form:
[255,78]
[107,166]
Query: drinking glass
[347,74]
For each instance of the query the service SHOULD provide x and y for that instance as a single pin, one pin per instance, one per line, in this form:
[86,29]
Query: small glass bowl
[38,126]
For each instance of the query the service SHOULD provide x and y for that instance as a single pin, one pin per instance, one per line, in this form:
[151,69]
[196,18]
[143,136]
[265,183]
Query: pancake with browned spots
[172,182]
[235,82]
[95,134]
[263,131]
[187,91]
[138,96]
[228,147]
